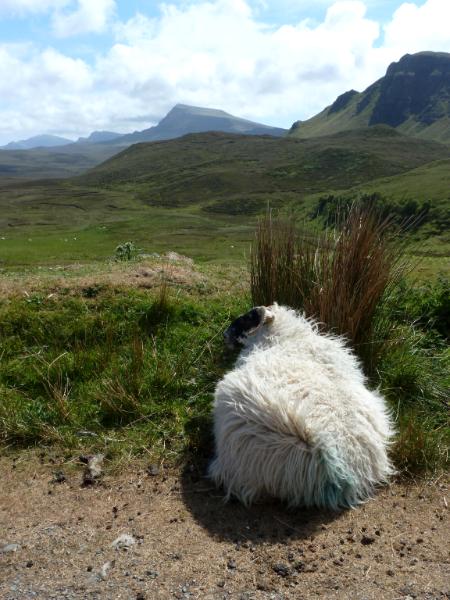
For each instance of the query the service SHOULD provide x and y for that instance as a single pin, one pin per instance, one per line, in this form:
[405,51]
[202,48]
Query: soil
[56,539]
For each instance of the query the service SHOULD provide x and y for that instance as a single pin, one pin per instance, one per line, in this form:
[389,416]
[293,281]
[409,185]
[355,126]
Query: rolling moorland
[200,194]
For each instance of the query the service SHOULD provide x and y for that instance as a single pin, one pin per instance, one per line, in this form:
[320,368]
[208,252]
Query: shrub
[126,251]
[342,279]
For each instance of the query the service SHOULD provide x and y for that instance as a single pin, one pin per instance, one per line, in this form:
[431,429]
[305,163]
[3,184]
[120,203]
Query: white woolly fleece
[294,420]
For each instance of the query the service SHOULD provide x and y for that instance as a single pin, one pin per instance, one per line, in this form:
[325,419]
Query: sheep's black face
[243,326]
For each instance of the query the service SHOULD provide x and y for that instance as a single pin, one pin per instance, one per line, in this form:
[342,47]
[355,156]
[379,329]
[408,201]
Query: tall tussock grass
[352,280]
[342,277]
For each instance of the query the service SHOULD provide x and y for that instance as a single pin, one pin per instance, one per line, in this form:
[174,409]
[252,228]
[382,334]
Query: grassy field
[200,195]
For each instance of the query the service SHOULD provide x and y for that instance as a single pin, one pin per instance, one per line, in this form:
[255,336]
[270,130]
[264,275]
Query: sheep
[294,419]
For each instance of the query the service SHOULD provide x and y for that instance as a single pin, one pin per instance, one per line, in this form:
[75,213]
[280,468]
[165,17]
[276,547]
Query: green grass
[136,368]
[205,167]
[124,365]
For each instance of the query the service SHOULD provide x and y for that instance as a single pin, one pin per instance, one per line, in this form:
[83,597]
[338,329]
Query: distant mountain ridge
[184,119]
[99,137]
[38,141]
[413,97]
[180,120]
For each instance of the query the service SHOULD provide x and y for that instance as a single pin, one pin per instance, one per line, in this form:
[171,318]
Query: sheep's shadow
[271,521]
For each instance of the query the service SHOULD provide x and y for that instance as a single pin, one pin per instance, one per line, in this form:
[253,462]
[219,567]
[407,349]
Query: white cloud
[414,28]
[41,91]
[210,53]
[218,54]
[88,16]
[22,7]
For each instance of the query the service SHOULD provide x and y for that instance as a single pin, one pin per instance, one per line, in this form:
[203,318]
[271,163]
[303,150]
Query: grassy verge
[120,369]
[96,363]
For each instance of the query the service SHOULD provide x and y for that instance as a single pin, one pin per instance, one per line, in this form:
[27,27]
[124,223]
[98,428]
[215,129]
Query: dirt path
[189,545]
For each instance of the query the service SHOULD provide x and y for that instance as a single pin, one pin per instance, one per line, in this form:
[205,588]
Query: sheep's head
[247,325]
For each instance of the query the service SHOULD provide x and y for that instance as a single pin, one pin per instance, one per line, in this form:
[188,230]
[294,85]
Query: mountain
[413,97]
[183,119]
[73,158]
[99,137]
[38,141]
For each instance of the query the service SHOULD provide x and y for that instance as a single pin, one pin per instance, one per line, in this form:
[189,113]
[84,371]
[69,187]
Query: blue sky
[69,67]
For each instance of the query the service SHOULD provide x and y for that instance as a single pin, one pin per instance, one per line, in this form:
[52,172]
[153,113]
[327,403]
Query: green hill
[230,173]
[413,97]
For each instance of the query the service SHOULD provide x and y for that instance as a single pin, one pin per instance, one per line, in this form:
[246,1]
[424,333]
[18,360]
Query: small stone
[123,542]
[366,540]
[29,564]
[103,574]
[153,470]
[59,477]
[9,548]
[152,574]
[221,583]
[390,572]
[231,564]
[93,470]
[281,569]
[140,596]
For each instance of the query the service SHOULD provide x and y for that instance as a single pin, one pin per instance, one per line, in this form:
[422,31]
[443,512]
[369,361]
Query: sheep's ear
[269,314]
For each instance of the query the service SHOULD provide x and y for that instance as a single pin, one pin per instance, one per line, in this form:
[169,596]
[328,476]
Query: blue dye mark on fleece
[339,491]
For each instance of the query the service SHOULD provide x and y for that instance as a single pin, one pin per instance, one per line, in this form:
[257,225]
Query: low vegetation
[129,371]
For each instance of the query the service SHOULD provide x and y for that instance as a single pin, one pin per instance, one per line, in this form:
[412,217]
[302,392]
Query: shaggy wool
[295,420]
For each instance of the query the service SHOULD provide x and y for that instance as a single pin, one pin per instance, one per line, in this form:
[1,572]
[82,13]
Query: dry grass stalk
[340,279]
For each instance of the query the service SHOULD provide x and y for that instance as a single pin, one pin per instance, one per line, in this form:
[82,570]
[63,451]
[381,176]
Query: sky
[69,67]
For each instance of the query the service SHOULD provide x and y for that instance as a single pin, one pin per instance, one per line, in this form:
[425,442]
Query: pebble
[281,569]
[123,542]
[366,540]
[9,548]
[103,573]
[59,477]
[231,564]
[152,574]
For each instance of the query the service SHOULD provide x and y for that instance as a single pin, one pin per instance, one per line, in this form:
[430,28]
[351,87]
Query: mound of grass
[134,370]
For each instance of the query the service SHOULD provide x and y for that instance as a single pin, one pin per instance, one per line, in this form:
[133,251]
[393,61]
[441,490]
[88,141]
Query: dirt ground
[56,540]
